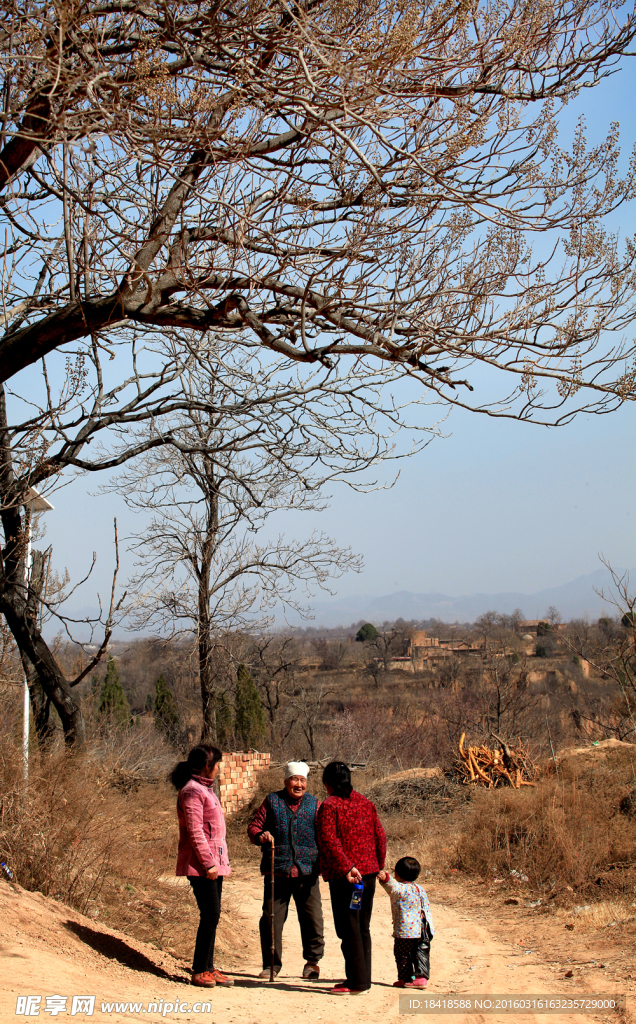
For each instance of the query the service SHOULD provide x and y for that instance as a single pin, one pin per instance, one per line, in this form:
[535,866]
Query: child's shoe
[416,983]
[400,984]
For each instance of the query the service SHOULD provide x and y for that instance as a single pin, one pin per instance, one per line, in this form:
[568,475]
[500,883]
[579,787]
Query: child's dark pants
[413,958]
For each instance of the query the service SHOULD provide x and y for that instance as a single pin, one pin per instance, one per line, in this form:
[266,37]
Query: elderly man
[288,817]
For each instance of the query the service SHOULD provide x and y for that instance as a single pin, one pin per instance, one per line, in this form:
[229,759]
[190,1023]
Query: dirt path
[47,949]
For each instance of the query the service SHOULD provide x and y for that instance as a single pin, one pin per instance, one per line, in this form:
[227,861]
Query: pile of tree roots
[507,766]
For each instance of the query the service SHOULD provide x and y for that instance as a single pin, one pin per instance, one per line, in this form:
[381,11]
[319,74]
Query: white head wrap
[296,768]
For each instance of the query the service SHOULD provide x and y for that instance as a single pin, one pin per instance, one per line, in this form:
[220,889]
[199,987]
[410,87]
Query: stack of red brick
[238,779]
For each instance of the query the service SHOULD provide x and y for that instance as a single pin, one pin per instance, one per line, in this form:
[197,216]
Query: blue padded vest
[294,835]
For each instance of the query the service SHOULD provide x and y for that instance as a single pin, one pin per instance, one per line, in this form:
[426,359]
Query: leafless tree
[90,418]
[332,653]
[204,567]
[609,647]
[329,181]
[308,704]
[553,616]
[349,190]
[505,695]
[274,661]
[23,595]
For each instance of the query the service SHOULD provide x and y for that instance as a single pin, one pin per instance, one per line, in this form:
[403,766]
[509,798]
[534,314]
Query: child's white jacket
[409,903]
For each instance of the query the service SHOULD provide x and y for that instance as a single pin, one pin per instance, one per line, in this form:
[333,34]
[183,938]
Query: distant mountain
[576,599]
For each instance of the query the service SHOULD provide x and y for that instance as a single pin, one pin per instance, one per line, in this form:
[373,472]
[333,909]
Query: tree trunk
[17,606]
[49,674]
[204,625]
[40,703]
[206,679]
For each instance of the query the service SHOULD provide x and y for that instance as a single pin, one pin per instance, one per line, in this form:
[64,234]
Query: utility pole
[36,503]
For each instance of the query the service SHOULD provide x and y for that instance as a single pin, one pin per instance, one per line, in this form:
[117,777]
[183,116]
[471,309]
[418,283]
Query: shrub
[542,651]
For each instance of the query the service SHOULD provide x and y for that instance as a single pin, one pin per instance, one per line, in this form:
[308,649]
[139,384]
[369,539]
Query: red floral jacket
[349,835]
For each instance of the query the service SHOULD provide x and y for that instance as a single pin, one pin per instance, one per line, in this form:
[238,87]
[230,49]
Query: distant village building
[532,626]
[422,648]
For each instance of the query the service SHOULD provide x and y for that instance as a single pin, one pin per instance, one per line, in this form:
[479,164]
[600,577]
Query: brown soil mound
[608,764]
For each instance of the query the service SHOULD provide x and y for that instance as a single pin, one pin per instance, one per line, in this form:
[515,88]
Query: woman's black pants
[207,893]
[353,928]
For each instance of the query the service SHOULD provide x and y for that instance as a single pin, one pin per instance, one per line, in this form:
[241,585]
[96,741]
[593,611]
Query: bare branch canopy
[325,180]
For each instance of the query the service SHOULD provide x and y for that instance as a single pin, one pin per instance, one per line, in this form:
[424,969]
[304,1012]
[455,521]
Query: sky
[492,506]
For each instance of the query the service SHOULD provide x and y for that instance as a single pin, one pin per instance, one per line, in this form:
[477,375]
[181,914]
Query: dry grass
[590,918]
[558,834]
[106,850]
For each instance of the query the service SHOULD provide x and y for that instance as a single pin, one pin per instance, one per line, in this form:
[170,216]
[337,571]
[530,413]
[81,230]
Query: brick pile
[238,779]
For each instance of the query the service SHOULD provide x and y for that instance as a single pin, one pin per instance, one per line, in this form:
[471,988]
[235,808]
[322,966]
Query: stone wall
[238,779]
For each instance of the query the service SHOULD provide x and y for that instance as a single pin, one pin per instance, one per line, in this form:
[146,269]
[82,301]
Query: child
[412,923]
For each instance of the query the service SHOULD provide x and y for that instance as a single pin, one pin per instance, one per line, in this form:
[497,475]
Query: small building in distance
[532,626]
[423,648]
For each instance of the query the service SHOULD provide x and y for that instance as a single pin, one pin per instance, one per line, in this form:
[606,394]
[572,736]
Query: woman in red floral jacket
[352,846]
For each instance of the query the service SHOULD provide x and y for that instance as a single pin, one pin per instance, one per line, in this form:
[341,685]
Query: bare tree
[553,616]
[91,417]
[331,182]
[609,647]
[332,653]
[309,707]
[204,568]
[23,595]
[349,190]
[274,661]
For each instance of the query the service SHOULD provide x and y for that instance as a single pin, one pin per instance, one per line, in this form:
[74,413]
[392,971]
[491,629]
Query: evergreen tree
[366,632]
[250,718]
[150,701]
[223,721]
[112,701]
[167,717]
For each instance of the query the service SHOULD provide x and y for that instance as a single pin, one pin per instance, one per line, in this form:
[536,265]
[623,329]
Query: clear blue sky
[495,506]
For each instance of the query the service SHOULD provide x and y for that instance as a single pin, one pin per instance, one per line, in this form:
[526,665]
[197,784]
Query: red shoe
[222,979]
[399,984]
[340,990]
[203,980]
[416,983]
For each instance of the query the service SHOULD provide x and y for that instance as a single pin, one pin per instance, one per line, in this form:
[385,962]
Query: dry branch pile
[490,768]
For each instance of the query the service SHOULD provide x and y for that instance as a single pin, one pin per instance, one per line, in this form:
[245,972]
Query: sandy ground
[481,947]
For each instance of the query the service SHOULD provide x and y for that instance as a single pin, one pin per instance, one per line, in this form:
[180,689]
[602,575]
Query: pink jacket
[202,842]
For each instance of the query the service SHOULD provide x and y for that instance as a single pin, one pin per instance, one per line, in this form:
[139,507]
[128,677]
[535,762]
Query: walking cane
[272,948]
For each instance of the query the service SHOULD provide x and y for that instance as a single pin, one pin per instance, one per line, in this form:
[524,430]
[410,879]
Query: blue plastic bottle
[356,896]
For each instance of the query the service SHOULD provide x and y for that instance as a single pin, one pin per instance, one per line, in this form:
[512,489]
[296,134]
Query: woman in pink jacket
[202,854]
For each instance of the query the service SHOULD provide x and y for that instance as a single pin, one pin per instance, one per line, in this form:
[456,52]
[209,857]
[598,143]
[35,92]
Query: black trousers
[413,958]
[353,928]
[305,891]
[207,893]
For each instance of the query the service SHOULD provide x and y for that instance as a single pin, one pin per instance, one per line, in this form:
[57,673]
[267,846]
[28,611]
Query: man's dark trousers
[305,891]
[353,928]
